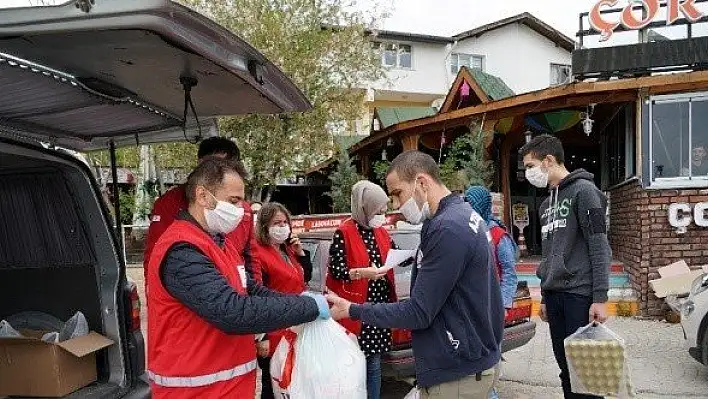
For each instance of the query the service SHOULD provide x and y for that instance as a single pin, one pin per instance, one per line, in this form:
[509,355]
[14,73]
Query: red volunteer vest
[285,277]
[187,356]
[356,291]
[165,211]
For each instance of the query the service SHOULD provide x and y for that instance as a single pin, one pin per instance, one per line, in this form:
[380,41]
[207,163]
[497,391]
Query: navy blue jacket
[455,308]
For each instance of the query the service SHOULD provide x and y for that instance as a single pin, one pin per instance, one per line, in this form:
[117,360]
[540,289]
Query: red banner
[331,222]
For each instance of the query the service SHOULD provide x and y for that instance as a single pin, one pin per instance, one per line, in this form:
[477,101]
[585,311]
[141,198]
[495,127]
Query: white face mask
[413,213]
[537,177]
[377,221]
[279,233]
[224,218]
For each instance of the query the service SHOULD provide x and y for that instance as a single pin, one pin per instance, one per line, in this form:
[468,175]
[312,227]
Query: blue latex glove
[322,304]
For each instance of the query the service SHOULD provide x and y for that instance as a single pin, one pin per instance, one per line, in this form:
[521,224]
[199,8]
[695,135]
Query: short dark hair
[408,164]
[265,215]
[219,146]
[210,174]
[544,145]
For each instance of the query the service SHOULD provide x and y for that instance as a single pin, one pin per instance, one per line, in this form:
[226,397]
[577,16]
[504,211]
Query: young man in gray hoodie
[576,255]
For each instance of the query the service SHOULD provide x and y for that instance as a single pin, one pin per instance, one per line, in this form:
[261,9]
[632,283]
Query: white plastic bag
[413,394]
[75,327]
[6,330]
[323,363]
[597,362]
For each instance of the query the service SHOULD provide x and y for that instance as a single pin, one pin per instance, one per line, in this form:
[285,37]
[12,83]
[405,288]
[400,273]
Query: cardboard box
[32,367]
[676,279]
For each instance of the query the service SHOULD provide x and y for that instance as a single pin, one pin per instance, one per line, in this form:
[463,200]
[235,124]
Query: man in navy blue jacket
[455,309]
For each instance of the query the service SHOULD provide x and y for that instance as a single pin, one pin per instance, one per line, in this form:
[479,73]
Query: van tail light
[134,309]
[520,311]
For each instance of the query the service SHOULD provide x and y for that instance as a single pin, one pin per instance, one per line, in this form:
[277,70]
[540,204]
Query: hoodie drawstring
[554,211]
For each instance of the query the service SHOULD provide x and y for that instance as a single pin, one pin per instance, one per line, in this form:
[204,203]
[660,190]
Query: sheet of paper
[397,256]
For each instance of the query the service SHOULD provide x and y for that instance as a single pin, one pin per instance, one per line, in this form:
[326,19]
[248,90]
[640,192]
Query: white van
[92,75]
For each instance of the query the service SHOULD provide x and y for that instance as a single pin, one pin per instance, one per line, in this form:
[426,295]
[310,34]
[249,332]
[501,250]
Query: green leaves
[465,163]
[329,64]
[380,169]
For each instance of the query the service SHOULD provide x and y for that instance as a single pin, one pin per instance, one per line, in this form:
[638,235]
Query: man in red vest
[168,206]
[203,309]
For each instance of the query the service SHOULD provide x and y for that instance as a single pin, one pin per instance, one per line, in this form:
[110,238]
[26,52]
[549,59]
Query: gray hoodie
[576,254]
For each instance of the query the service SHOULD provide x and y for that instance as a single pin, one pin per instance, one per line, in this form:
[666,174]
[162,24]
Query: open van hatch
[80,79]
[92,75]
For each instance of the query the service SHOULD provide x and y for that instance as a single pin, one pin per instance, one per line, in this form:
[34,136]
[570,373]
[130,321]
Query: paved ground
[660,365]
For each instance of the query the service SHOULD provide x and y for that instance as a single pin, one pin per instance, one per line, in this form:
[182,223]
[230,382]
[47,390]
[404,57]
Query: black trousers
[266,384]
[566,313]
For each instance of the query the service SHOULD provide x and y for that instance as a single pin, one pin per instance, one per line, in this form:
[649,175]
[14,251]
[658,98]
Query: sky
[449,17]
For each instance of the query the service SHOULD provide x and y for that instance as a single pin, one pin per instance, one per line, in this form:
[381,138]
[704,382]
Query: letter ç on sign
[680,216]
[637,19]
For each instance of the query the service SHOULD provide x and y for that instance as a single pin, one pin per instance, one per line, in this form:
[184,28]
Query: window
[395,54]
[618,143]
[458,60]
[404,56]
[678,140]
[560,74]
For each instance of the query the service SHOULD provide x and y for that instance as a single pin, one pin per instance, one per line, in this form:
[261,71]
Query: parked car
[96,75]
[694,320]
[519,329]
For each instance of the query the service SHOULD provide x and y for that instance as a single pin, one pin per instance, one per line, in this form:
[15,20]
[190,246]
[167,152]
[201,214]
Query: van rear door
[84,73]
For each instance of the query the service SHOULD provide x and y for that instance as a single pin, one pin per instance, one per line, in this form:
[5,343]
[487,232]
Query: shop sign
[520,216]
[681,216]
[301,224]
[639,19]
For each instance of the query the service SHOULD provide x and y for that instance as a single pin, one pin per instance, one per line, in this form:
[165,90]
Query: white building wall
[427,74]
[516,54]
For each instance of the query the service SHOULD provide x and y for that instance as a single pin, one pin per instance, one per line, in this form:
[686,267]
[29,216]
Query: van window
[39,225]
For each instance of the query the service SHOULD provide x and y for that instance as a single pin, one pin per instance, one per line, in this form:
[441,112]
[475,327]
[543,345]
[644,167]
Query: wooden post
[506,174]
[365,165]
[410,142]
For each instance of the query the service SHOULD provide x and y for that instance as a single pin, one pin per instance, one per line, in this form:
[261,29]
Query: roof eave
[619,90]
[527,19]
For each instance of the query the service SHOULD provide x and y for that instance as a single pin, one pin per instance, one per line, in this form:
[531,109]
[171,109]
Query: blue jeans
[373,376]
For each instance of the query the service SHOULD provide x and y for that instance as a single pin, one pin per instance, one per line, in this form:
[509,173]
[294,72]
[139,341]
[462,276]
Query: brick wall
[642,238]
[626,235]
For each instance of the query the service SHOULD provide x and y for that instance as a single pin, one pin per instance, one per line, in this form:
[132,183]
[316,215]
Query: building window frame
[611,149]
[456,66]
[554,74]
[397,48]
[651,182]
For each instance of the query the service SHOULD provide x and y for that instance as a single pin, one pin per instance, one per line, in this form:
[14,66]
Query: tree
[380,169]
[343,179]
[466,162]
[167,155]
[330,65]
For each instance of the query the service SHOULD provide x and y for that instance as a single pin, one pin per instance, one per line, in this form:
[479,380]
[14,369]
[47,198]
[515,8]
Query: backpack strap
[497,233]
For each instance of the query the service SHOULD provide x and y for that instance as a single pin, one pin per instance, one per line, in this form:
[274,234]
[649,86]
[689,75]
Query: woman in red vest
[359,248]
[281,264]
